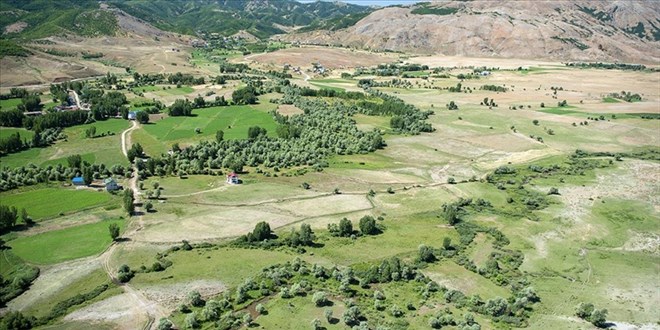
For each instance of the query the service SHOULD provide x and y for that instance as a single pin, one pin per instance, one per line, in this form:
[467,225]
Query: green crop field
[232,266]
[175,91]
[9,104]
[233,120]
[64,244]
[7,131]
[54,201]
[101,149]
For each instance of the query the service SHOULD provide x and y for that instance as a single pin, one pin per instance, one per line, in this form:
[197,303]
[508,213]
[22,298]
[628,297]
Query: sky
[374,2]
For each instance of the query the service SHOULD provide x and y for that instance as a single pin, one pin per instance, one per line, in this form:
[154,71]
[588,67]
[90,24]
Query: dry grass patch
[289,110]
[331,58]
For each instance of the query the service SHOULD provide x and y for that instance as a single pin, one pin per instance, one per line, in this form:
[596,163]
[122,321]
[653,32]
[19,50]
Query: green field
[7,131]
[233,120]
[324,86]
[64,244]
[102,149]
[9,263]
[175,91]
[232,266]
[610,100]
[43,203]
[9,104]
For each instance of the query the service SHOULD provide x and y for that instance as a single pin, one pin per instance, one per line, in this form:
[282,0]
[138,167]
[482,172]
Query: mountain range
[608,30]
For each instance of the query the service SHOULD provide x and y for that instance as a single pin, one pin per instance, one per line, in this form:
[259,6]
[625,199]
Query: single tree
[446,243]
[114,231]
[142,117]
[368,225]
[320,299]
[425,253]
[345,227]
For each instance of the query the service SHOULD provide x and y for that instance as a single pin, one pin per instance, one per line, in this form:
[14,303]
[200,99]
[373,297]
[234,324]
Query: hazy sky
[374,2]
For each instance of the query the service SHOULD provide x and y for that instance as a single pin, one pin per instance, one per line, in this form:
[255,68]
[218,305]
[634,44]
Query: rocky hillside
[559,30]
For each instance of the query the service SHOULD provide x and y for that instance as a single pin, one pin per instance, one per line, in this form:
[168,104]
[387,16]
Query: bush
[352,315]
[164,324]
[368,225]
[196,299]
[396,311]
[425,253]
[320,299]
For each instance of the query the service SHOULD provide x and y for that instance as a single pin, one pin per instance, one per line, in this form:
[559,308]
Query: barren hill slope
[564,30]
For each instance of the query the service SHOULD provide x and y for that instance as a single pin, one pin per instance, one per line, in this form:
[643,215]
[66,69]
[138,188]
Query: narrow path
[126,139]
[153,310]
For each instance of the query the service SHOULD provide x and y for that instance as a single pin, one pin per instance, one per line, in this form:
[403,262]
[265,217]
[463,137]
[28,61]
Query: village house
[232,178]
[111,184]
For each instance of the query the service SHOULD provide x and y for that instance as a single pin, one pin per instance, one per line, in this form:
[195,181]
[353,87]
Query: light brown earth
[510,29]
[330,58]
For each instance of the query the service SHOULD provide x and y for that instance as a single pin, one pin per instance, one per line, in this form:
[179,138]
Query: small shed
[232,178]
[111,184]
[132,115]
[78,181]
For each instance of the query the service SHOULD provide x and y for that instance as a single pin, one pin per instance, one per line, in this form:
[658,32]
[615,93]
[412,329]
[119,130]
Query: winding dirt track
[153,310]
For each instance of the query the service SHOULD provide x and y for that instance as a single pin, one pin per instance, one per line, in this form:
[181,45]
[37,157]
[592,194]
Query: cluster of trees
[626,96]
[181,107]
[9,217]
[226,67]
[344,228]
[136,151]
[14,92]
[406,118]
[608,66]
[262,236]
[391,69]
[30,103]
[398,83]
[184,79]
[245,95]
[494,88]
[588,312]
[30,174]
[108,105]
[13,143]
[324,130]
[456,89]
[490,103]
[55,119]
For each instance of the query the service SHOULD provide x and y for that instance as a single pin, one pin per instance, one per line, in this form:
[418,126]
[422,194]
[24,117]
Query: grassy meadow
[233,120]
[105,148]
[64,244]
[55,201]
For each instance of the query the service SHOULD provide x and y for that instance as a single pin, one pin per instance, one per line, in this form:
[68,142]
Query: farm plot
[64,244]
[102,149]
[233,120]
[54,201]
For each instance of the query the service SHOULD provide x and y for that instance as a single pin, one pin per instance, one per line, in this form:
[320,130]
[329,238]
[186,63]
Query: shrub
[196,299]
[425,253]
[368,225]
[320,299]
